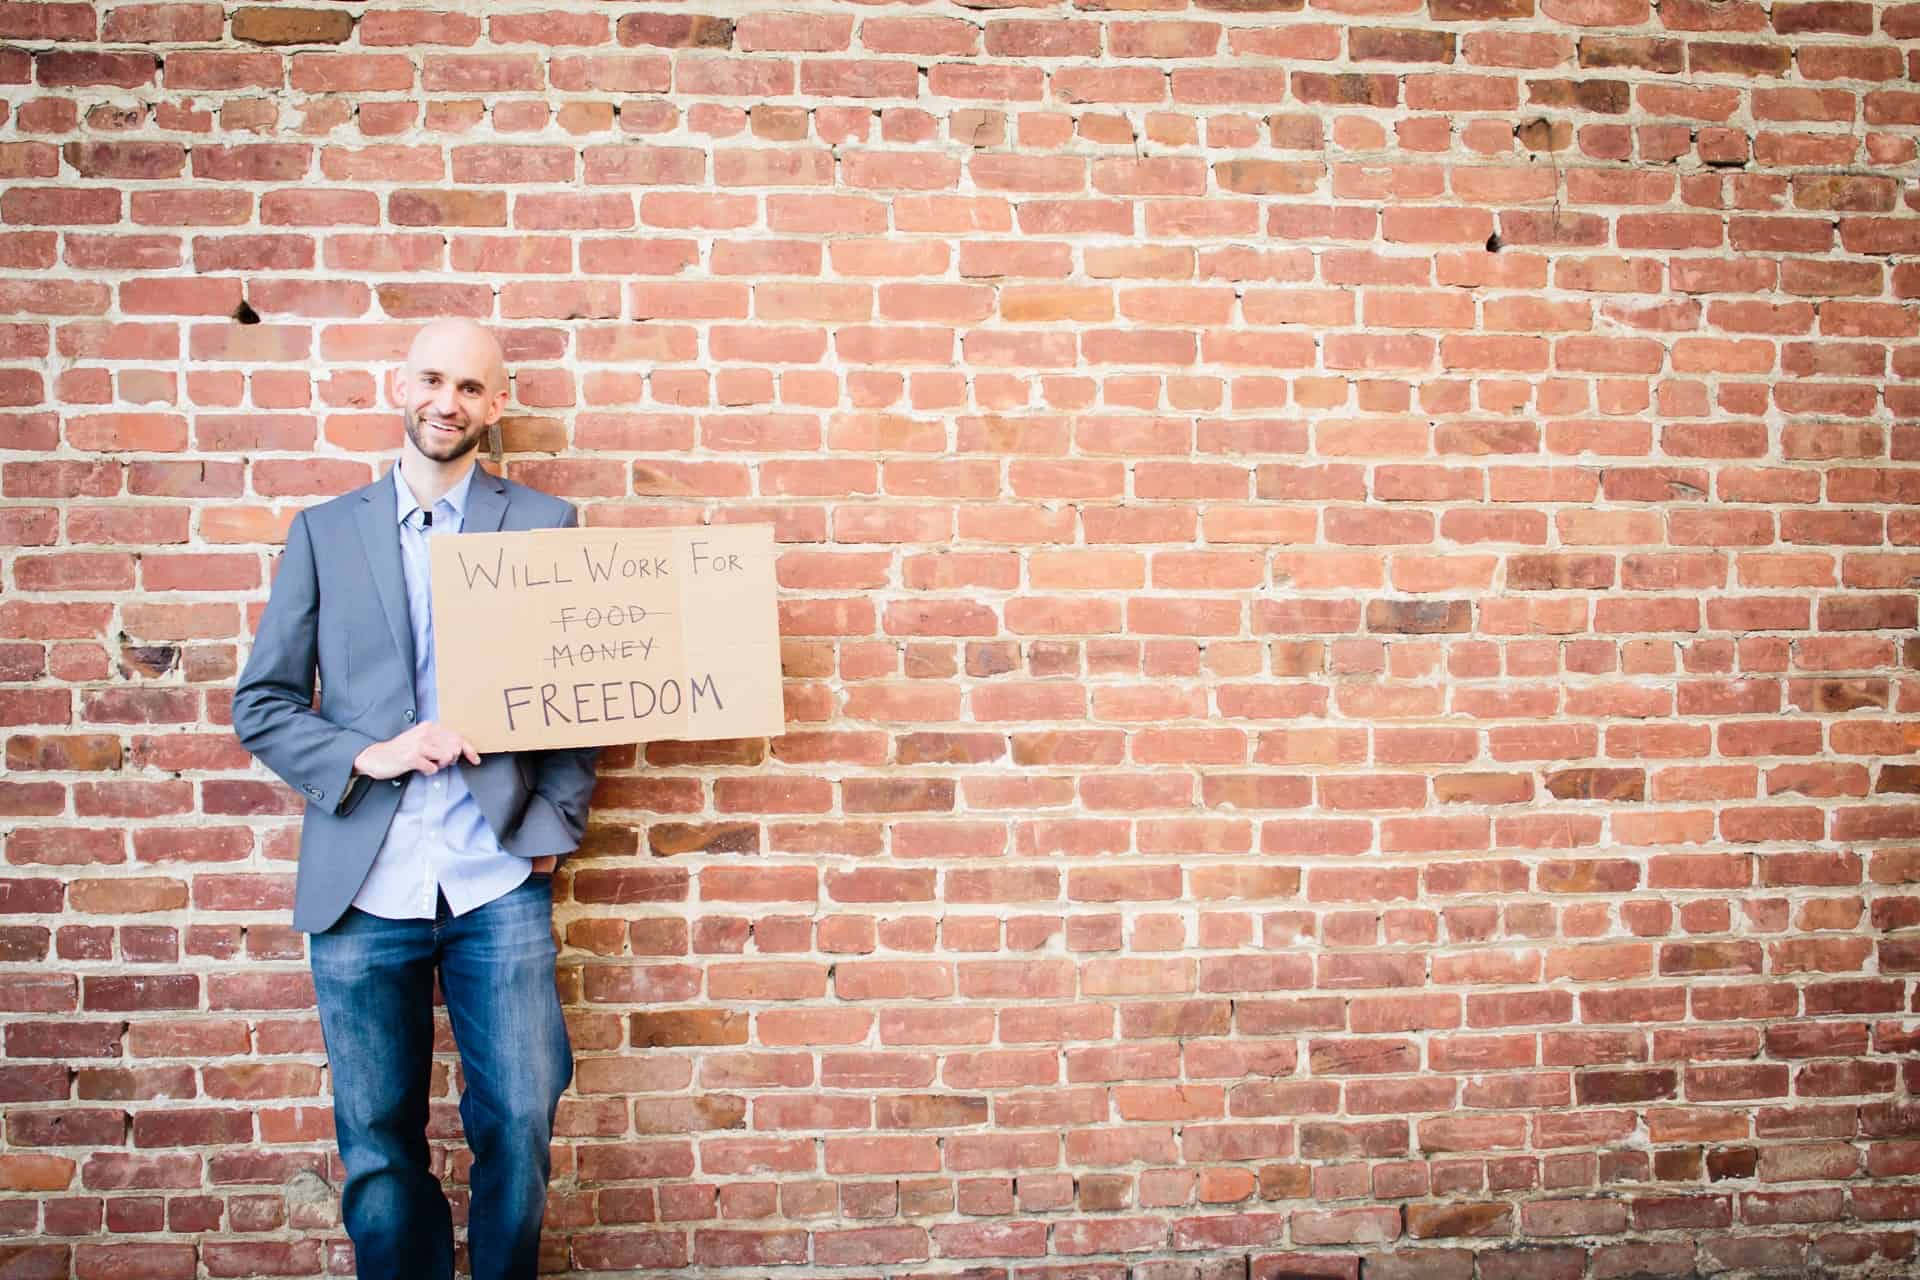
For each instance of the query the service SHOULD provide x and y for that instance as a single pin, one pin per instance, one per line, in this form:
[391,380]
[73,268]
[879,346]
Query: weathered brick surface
[1348,579]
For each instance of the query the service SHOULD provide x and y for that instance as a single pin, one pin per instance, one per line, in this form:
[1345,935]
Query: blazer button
[407,715]
[396,782]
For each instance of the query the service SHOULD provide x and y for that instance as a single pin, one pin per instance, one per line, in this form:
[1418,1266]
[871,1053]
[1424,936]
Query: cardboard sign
[586,637]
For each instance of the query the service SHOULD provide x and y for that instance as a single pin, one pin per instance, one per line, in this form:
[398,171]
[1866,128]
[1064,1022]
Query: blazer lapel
[486,503]
[380,536]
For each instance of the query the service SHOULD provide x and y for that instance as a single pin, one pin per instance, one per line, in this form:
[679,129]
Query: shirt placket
[433,816]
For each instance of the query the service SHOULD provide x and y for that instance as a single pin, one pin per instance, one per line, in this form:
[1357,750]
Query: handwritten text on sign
[585,637]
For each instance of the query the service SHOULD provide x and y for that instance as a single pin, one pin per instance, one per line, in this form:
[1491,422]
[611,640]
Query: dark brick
[1352,1140]
[1898,779]
[447,208]
[1430,1221]
[1478,10]
[1347,89]
[1825,16]
[675,31]
[63,68]
[1598,784]
[1610,1088]
[87,752]
[1420,617]
[1710,957]
[1739,59]
[150,661]
[36,1261]
[69,1127]
[929,1111]
[1521,1262]
[1828,696]
[126,159]
[689,1026]
[1559,572]
[1605,97]
[1732,1162]
[666,838]
[1642,53]
[1399,44]
[292,26]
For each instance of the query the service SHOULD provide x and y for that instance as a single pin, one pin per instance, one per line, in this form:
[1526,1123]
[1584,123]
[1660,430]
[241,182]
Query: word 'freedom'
[608,701]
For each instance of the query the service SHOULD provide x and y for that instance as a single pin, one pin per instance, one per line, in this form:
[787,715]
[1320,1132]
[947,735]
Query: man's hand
[426,748]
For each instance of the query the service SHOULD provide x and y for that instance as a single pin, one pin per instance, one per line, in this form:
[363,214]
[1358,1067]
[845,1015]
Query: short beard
[466,445]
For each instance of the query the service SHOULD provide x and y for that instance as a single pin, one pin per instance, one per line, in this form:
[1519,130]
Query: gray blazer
[338,610]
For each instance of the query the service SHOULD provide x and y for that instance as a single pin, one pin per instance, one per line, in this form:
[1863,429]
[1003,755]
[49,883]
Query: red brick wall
[1350,592]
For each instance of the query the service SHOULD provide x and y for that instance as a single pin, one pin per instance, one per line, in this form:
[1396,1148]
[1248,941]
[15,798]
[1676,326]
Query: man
[418,857]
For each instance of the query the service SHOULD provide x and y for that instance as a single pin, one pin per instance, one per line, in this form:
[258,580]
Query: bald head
[459,347]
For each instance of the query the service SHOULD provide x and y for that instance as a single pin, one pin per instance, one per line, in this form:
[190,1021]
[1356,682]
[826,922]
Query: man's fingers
[428,748]
[451,746]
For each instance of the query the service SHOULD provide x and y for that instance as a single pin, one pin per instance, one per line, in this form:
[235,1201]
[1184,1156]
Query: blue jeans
[374,982]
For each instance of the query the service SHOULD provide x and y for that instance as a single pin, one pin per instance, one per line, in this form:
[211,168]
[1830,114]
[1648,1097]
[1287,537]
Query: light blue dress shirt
[439,841]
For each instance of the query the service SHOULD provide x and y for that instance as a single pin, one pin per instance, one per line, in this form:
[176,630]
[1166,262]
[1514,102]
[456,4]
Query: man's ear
[395,378]
[495,446]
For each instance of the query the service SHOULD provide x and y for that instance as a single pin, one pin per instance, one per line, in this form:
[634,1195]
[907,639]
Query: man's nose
[445,400]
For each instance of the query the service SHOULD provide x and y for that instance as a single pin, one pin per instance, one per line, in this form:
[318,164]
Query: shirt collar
[456,497]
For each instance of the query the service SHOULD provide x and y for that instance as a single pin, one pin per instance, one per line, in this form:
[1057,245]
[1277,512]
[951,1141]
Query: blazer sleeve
[273,711]
[556,815]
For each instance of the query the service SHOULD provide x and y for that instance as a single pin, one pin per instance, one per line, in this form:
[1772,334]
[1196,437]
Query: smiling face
[454,387]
